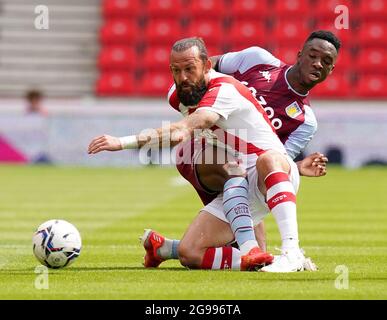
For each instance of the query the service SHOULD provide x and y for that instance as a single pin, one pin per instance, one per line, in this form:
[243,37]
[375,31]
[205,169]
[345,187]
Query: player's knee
[272,160]
[189,257]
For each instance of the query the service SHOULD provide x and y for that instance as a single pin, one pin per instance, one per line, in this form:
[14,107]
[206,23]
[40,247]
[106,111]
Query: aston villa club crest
[293,110]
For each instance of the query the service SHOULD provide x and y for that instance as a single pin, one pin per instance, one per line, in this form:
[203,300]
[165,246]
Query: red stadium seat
[373,34]
[115,84]
[249,9]
[121,8]
[334,86]
[117,58]
[292,8]
[287,54]
[371,86]
[345,35]
[155,84]
[210,31]
[371,10]
[247,33]
[345,61]
[207,9]
[119,32]
[164,9]
[371,61]
[325,9]
[162,31]
[290,32]
[156,58]
[214,50]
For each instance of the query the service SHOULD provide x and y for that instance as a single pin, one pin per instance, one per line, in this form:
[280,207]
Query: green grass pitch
[342,222]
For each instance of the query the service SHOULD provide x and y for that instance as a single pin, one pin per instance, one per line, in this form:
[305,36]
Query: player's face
[189,73]
[316,61]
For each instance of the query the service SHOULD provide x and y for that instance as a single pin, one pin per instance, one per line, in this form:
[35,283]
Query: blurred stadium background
[102,67]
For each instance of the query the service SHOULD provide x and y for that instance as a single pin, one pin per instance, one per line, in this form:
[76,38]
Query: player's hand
[314,165]
[104,143]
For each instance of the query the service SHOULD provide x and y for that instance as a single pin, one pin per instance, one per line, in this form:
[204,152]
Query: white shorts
[257,204]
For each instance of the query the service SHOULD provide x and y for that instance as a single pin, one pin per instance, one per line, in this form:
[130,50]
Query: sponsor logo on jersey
[293,110]
[266,75]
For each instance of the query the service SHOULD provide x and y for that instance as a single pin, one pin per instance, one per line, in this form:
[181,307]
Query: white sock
[282,203]
[169,249]
[287,225]
[247,246]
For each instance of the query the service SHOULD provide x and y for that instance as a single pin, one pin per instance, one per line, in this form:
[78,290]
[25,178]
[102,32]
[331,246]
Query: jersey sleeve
[173,100]
[244,60]
[299,138]
[219,99]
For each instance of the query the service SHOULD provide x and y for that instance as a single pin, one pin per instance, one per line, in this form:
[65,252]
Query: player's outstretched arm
[201,119]
[314,165]
[166,136]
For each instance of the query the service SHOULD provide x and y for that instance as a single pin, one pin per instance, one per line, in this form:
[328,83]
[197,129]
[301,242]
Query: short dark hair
[33,94]
[325,35]
[187,43]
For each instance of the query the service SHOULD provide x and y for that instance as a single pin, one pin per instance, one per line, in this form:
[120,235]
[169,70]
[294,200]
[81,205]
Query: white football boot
[309,265]
[289,261]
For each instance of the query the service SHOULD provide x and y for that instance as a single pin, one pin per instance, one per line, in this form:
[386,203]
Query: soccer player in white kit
[227,109]
[283,92]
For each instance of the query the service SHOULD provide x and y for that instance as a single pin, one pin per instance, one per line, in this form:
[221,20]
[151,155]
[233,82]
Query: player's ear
[333,67]
[208,65]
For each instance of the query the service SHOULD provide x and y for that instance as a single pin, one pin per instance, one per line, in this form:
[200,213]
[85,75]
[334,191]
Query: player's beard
[191,97]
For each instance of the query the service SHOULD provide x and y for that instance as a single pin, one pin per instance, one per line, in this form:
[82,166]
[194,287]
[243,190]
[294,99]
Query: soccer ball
[56,243]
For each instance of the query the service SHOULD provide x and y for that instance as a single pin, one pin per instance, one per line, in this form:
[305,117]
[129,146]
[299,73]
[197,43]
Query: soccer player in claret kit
[283,92]
[222,106]
[283,89]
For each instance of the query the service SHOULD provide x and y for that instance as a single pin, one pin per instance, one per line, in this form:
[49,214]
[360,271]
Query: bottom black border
[205,309]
